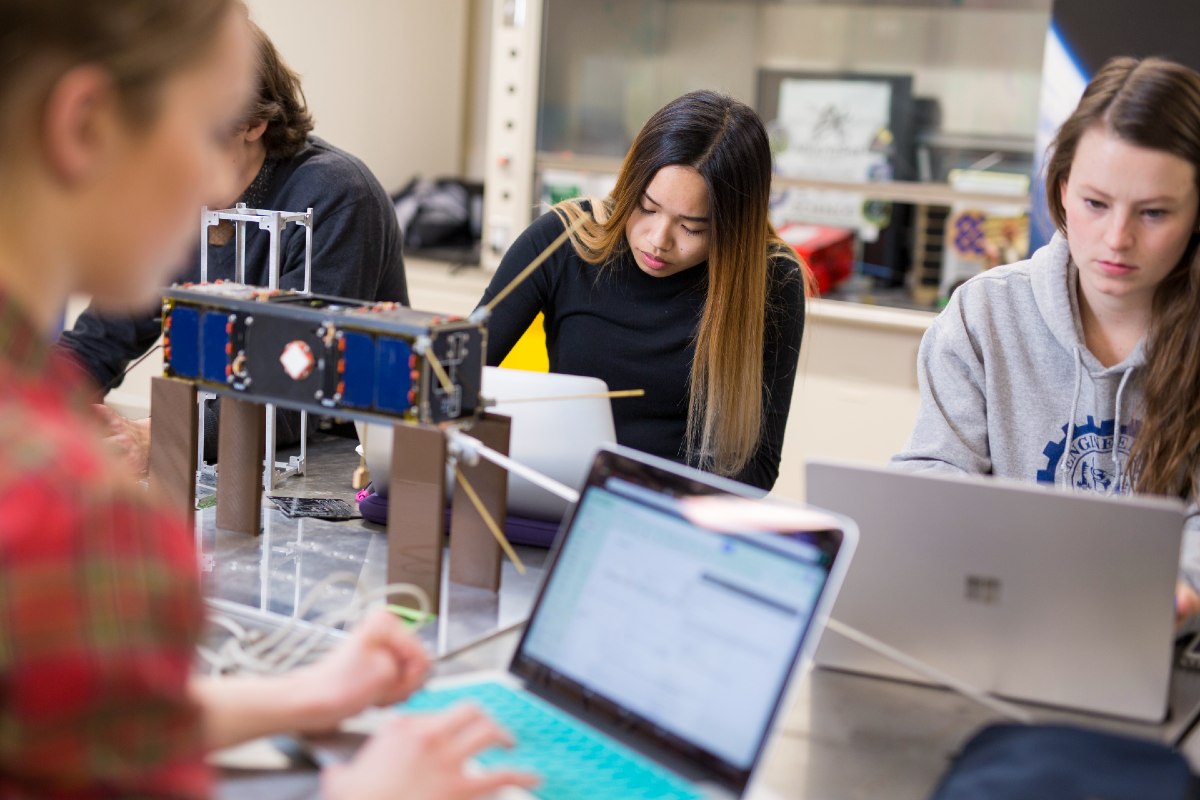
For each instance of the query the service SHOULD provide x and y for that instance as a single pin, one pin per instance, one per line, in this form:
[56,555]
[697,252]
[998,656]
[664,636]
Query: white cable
[468,448]
[386,591]
[285,631]
[290,653]
[932,673]
[212,658]
[298,639]
[225,622]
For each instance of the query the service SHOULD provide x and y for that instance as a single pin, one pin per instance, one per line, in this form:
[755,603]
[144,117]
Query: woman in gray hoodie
[1080,367]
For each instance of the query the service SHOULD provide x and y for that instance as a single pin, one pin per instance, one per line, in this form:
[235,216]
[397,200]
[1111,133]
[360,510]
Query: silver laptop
[556,437]
[1054,597]
[660,647]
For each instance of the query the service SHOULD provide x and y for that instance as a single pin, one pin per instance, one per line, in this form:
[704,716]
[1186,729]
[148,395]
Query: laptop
[557,437]
[1021,590]
[660,646]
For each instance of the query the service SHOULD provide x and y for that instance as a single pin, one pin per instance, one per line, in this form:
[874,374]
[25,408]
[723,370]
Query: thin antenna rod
[533,265]
[932,673]
[469,446]
[439,371]
[505,545]
[595,395]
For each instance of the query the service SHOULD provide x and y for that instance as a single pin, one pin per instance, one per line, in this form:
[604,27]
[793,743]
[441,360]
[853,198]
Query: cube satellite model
[324,354]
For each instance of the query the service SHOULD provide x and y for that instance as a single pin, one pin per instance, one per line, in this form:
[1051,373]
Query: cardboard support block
[173,444]
[416,521]
[475,555]
[241,440]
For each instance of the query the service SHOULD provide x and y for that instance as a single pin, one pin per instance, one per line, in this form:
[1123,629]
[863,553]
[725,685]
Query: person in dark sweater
[357,243]
[676,284]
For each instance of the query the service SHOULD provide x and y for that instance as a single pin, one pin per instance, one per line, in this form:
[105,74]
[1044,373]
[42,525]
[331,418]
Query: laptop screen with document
[693,632]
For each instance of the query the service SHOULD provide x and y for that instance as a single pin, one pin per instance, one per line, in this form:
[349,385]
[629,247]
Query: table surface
[283,568]
[840,735]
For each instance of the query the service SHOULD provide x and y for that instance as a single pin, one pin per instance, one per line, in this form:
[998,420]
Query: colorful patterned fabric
[99,601]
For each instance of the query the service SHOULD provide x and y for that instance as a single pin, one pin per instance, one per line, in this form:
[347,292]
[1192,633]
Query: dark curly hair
[280,101]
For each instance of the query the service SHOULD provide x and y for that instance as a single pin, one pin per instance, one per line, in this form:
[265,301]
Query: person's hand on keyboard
[381,663]
[425,757]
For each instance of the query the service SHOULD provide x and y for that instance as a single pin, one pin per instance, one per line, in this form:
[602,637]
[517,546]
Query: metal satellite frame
[419,371]
[273,222]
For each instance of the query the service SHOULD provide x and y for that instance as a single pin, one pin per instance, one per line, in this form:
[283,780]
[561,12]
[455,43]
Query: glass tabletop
[316,570]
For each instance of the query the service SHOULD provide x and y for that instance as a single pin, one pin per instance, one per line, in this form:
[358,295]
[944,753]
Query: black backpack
[1063,762]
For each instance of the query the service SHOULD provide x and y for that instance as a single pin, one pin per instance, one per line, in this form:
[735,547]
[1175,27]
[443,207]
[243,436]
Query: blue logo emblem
[1089,459]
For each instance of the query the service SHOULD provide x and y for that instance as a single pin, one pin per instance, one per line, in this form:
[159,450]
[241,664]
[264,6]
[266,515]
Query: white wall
[479,55]
[385,79]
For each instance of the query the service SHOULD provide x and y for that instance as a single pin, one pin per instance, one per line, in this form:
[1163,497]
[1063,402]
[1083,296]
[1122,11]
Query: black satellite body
[324,354]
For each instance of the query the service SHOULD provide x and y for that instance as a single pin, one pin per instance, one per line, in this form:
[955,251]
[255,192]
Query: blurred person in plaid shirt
[112,114]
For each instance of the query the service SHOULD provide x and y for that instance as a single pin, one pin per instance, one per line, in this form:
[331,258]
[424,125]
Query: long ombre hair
[725,141]
[1153,104]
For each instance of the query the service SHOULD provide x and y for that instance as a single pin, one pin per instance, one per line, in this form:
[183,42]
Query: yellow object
[529,353]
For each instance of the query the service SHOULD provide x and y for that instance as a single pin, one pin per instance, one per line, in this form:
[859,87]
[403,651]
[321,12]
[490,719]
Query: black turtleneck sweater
[637,331]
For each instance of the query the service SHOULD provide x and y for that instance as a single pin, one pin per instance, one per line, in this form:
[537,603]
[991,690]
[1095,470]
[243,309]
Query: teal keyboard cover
[572,759]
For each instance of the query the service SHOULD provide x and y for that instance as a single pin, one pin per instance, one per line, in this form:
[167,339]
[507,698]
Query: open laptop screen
[690,631]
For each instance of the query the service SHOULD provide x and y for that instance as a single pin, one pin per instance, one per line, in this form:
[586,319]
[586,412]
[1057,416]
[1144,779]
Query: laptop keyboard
[572,760]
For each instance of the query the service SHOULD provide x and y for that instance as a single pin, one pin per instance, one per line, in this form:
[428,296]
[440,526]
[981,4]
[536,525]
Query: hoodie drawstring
[1116,453]
[1060,477]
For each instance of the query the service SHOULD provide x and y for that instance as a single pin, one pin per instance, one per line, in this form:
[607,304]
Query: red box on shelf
[829,252]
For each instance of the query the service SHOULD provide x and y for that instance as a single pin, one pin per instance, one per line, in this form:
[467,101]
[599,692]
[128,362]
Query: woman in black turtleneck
[676,283]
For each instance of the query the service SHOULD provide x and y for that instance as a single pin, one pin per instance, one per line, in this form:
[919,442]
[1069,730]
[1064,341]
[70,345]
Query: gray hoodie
[1009,388]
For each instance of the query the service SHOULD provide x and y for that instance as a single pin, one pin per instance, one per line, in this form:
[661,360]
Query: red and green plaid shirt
[99,601]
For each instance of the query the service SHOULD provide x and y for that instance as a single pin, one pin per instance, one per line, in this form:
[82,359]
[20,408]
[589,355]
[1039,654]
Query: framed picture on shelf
[849,128]
[839,125]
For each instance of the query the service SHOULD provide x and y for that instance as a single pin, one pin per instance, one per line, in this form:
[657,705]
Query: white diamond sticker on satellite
[297,360]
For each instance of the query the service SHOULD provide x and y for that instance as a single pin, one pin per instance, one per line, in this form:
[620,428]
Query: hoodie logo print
[1087,464]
